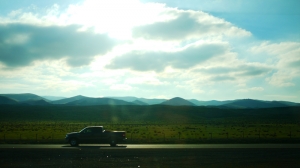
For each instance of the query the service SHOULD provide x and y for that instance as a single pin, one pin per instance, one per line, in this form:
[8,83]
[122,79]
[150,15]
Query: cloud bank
[159,60]
[187,25]
[23,44]
[121,48]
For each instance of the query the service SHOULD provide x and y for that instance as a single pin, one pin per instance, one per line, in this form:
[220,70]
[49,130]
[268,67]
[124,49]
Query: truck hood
[72,133]
[114,131]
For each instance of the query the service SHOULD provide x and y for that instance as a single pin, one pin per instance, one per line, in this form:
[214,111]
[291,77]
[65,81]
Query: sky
[205,50]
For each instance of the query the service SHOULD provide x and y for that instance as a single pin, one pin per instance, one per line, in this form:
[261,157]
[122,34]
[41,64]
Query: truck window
[87,130]
[97,130]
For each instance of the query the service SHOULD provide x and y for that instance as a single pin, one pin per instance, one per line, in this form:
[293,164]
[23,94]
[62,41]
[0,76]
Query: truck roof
[93,126]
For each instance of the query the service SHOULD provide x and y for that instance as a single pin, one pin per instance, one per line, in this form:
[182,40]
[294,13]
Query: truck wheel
[74,142]
[113,142]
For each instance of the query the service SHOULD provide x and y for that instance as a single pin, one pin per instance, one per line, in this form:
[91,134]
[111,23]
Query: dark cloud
[222,78]
[173,29]
[157,61]
[294,64]
[240,70]
[22,44]
[233,72]
[254,71]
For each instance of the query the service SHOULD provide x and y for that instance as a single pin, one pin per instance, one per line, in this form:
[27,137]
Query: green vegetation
[151,124]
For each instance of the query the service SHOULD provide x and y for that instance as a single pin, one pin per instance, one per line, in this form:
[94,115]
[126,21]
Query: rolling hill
[177,101]
[35,102]
[210,102]
[53,98]
[250,103]
[139,103]
[147,101]
[7,100]
[24,97]
[151,101]
[68,100]
[126,98]
[155,113]
[98,101]
[32,99]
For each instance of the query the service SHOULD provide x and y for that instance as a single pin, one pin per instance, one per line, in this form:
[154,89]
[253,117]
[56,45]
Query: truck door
[99,136]
[86,135]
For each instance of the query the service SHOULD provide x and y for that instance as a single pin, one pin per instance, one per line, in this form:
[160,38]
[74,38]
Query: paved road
[146,155]
[156,146]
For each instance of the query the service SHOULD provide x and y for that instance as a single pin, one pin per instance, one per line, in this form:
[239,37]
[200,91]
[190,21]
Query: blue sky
[210,49]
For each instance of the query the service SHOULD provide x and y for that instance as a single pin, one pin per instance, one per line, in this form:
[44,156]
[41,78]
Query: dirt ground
[123,157]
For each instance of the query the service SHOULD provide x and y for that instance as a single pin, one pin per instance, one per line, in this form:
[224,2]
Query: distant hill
[68,100]
[139,103]
[289,103]
[24,97]
[210,102]
[151,101]
[98,101]
[32,99]
[177,101]
[7,100]
[144,100]
[154,113]
[35,102]
[250,103]
[126,98]
[53,98]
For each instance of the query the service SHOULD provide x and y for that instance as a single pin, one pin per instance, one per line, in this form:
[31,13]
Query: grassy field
[31,124]
[54,132]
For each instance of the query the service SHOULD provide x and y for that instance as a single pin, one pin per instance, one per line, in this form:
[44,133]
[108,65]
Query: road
[155,146]
[150,155]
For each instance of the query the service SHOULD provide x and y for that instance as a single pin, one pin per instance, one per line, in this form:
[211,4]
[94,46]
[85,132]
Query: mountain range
[32,99]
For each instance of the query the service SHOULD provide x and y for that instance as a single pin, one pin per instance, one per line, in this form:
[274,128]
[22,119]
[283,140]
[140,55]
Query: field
[31,124]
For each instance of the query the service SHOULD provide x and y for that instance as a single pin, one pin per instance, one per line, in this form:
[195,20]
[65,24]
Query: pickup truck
[95,134]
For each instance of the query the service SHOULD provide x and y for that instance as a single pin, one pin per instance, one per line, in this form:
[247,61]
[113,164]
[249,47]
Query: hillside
[24,97]
[35,102]
[53,98]
[7,100]
[177,101]
[250,103]
[68,100]
[139,103]
[151,101]
[126,98]
[144,100]
[32,99]
[156,113]
[210,102]
[98,101]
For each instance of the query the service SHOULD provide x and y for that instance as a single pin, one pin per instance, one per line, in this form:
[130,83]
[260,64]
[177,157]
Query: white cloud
[281,79]
[183,58]
[123,87]
[120,19]
[278,96]
[253,89]
[188,25]
[285,55]
[118,47]
[144,80]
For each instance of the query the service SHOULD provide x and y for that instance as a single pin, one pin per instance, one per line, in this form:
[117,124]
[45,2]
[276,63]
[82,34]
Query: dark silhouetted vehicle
[95,134]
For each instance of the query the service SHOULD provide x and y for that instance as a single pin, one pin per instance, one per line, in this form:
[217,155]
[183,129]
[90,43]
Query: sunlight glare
[115,17]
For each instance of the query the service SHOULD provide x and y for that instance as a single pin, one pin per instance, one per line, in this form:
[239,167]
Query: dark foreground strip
[123,157]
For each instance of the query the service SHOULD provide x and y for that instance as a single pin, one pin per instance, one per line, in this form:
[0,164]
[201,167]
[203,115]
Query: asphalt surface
[155,146]
[146,155]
